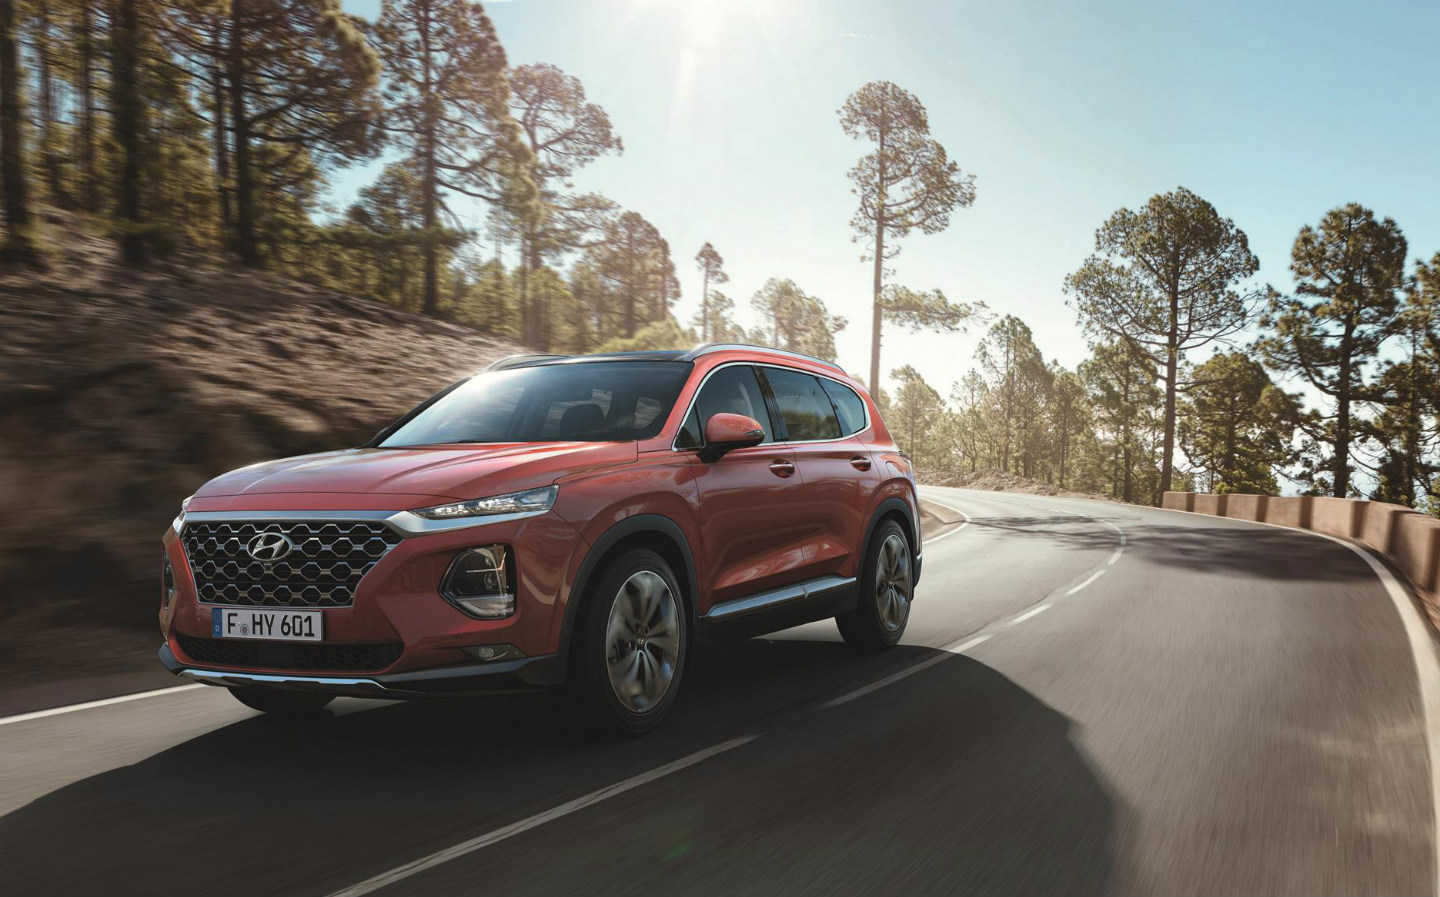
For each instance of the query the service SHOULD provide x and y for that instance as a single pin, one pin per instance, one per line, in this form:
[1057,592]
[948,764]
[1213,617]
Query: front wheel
[633,646]
[285,704]
[887,588]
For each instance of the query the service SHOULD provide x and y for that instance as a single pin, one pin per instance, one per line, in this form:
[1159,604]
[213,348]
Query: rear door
[835,467]
[753,523]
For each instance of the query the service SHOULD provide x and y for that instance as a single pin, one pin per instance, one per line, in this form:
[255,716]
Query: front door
[754,528]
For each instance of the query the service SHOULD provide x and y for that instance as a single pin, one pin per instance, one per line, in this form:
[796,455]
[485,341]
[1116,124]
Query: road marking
[400,873]
[1035,611]
[946,652]
[121,699]
[1093,576]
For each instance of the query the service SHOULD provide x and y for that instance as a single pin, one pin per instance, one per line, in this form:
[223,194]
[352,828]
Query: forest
[213,128]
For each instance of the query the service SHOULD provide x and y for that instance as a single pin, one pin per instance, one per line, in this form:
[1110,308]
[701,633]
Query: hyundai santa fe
[572,523]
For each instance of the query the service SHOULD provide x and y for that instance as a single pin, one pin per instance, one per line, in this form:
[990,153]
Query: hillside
[122,391]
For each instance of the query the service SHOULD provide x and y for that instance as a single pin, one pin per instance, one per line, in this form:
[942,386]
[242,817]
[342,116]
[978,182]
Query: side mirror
[727,432]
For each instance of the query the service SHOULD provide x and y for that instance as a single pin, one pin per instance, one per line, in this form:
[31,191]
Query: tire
[887,589]
[284,704]
[631,647]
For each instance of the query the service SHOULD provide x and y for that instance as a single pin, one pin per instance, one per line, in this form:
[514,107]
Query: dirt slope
[121,392]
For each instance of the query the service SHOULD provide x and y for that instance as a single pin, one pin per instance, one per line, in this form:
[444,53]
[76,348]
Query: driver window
[730,390]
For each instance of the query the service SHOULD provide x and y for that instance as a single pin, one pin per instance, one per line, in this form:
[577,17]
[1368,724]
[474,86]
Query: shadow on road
[955,779]
[1238,550]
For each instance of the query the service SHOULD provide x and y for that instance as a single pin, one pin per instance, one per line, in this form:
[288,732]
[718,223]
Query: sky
[1064,111]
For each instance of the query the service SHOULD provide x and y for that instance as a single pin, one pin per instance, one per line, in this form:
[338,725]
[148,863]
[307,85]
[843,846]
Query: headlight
[481,582]
[531,501]
[179,520]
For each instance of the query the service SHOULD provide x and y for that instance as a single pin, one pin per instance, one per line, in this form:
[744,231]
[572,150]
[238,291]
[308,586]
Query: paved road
[1210,707]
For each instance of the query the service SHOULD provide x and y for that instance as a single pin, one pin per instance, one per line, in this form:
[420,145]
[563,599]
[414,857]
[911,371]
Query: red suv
[554,521]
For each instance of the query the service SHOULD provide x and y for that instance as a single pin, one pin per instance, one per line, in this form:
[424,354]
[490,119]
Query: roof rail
[515,361]
[708,348]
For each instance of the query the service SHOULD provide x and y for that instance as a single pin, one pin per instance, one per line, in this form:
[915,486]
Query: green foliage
[915,417]
[1164,280]
[665,333]
[715,320]
[1349,272]
[927,310]
[1237,426]
[1125,397]
[798,322]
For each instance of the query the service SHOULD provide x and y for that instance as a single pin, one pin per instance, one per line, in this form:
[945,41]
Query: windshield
[601,401]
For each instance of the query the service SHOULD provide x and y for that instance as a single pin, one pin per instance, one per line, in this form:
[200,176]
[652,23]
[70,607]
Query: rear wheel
[887,587]
[632,646]
[280,703]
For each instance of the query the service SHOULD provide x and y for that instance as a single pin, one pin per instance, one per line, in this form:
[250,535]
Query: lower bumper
[525,674]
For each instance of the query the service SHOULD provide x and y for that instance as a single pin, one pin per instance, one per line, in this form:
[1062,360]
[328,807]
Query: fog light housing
[492,653]
[167,582]
[481,582]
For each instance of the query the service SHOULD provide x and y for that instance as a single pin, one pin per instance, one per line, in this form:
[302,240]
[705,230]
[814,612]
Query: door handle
[860,462]
[782,468]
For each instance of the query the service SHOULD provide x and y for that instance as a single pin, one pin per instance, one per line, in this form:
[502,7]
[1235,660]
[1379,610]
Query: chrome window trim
[783,367]
[406,523]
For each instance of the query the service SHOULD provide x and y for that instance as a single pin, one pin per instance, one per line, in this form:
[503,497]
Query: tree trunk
[85,49]
[129,121]
[877,317]
[1172,365]
[705,308]
[430,184]
[1341,462]
[245,246]
[222,149]
[19,242]
[49,158]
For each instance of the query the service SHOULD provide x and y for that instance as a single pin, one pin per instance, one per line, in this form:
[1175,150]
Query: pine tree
[447,107]
[1349,272]
[1165,280]
[907,183]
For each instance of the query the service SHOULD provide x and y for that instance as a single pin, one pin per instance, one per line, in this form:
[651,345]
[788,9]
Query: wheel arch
[899,510]
[654,531]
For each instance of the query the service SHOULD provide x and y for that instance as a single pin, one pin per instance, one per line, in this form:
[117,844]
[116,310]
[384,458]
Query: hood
[458,472]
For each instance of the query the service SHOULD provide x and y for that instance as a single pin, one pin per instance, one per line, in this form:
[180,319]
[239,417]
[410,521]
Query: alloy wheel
[642,641]
[893,580]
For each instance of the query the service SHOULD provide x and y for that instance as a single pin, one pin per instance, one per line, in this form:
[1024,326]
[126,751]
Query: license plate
[273,625]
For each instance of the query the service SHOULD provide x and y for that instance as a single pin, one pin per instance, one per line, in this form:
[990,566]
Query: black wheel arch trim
[884,509]
[640,524]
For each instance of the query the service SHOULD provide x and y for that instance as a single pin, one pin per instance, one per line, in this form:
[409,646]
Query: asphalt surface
[1211,707]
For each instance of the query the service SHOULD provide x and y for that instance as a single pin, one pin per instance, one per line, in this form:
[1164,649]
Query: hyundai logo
[270,547]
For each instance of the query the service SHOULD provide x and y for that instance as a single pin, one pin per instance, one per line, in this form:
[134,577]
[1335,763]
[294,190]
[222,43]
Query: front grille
[323,568]
[283,656]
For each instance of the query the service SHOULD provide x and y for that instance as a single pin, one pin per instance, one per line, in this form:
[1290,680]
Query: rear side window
[804,406]
[730,390]
[849,406]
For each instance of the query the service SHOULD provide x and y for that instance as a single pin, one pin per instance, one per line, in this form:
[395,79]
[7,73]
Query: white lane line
[945,653]
[1422,648]
[1093,576]
[1032,612]
[400,873]
[987,631]
[121,699]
